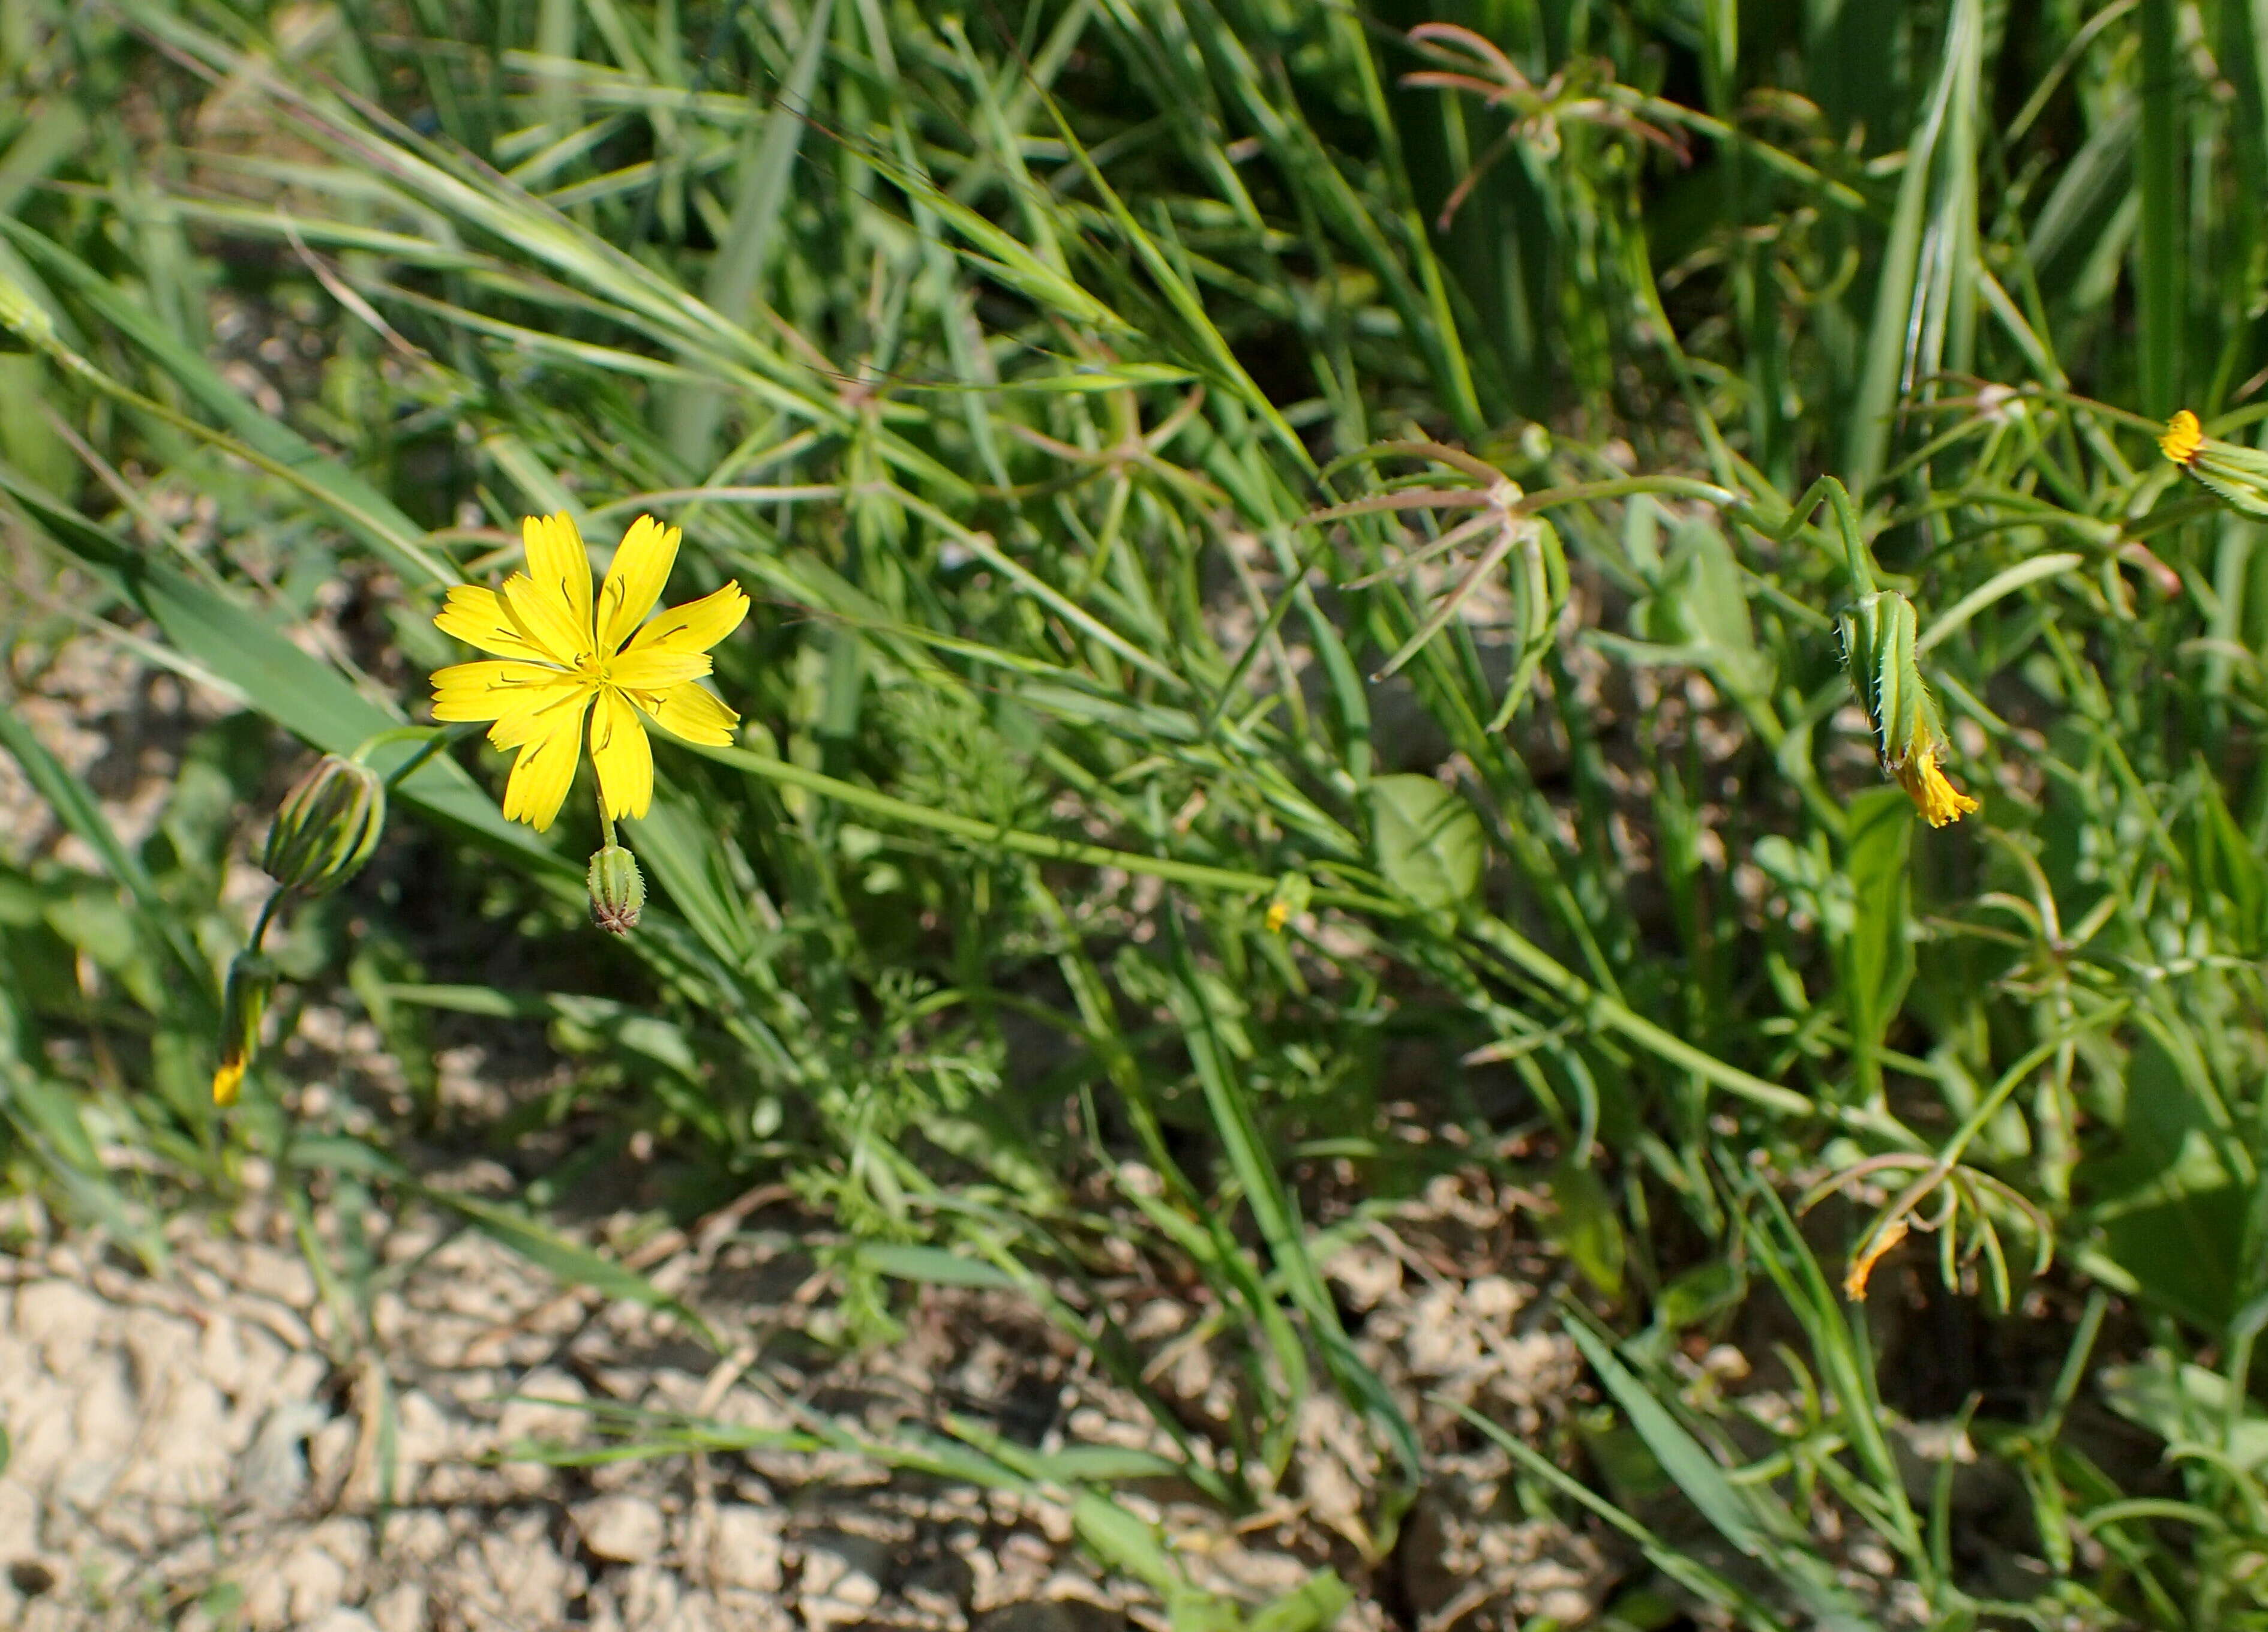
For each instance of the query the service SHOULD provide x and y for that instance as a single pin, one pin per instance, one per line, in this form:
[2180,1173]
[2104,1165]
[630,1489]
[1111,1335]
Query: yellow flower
[228,1083]
[2238,475]
[1938,801]
[244,1001]
[2183,437]
[564,657]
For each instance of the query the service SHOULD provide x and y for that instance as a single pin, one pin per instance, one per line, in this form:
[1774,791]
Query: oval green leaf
[1428,841]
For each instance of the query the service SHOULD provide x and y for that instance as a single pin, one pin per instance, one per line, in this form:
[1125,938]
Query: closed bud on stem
[251,981]
[1878,650]
[617,890]
[327,827]
[2237,474]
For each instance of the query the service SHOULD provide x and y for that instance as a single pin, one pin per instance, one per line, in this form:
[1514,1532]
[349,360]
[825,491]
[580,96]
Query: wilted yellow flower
[1878,650]
[1871,1251]
[2237,474]
[251,982]
[564,657]
[1937,798]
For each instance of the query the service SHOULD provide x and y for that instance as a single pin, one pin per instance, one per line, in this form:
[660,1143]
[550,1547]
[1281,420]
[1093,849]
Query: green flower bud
[251,981]
[327,827]
[617,890]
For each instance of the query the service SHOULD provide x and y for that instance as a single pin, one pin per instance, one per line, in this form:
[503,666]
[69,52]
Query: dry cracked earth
[222,1444]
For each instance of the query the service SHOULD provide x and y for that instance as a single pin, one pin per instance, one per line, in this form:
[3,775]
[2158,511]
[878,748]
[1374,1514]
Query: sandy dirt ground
[226,1443]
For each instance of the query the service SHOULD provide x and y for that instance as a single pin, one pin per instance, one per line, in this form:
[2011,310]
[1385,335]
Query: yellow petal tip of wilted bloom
[2183,437]
[1938,801]
[228,1082]
[562,656]
[1862,1268]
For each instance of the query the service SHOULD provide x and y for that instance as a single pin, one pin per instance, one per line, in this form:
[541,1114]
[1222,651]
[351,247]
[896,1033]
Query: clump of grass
[1087,396]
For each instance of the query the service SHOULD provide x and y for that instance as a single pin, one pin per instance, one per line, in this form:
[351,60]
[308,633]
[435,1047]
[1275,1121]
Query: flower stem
[267,915]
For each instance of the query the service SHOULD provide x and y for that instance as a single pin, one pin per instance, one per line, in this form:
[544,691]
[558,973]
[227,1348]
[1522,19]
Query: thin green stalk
[1609,1015]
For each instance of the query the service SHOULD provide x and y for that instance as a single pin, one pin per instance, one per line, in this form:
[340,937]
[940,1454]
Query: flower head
[244,1001]
[562,656]
[1938,801]
[2236,473]
[327,827]
[617,890]
[2183,437]
[1879,652]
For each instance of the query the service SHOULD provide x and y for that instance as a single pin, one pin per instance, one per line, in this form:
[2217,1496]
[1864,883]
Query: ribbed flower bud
[1878,650]
[251,981]
[2238,474]
[617,890]
[326,827]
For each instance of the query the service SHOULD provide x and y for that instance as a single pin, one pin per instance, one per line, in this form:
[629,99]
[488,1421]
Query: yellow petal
[488,691]
[476,617]
[2184,435]
[649,670]
[546,621]
[228,1082]
[634,582]
[557,561]
[539,713]
[1938,801]
[545,766]
[1878,1243]
[696,626]
[689,711]
[622,756]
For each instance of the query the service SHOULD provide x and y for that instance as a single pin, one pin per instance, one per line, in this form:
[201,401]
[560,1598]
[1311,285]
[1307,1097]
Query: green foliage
[1260,558]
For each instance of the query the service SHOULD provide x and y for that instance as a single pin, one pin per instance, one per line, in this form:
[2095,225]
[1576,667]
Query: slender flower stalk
[562,656]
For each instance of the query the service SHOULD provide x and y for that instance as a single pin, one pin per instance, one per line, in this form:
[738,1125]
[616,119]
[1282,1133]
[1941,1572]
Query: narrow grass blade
[299,693]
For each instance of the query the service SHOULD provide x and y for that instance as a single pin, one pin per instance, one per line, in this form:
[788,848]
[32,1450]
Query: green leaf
[573,1264]
[1733,1511]
[1587,1226]
[932,1266]
[1876,957]
[1691,1468]
[1428,841]
[370,513]
[2165,1188]
[1696,1294]
[1702,604]
[688,861]
[74,805]
[2186,1405]
[1314,1604]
